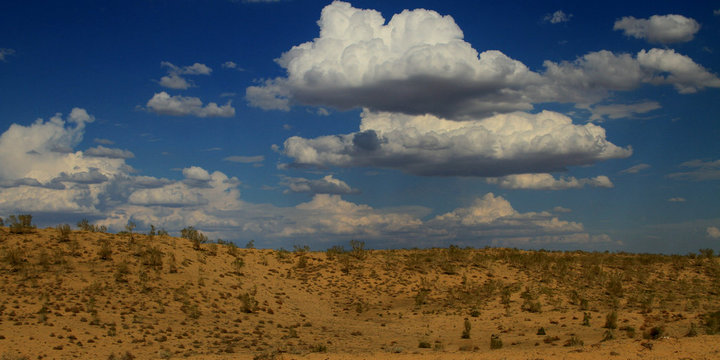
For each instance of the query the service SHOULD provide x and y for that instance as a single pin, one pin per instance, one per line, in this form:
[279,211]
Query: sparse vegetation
[108,288]
[63,232]
[85,225]
[196,237]
[495,342]
[21,224]
[466,331]
[611,320]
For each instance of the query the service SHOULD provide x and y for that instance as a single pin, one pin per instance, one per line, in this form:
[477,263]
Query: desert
[92,294]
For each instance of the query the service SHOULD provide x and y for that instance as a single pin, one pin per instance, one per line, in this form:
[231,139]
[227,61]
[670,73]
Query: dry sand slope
[94,295]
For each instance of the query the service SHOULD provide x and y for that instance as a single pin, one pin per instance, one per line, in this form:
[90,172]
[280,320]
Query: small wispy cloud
[5,52]
[620,111]
[635,169]
[676,199]
[713,232]
[700,171]
[102,141]
[557,17]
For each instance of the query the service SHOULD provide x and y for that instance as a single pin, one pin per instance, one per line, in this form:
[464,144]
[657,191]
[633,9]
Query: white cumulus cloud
[663,29]
[174,80]
[164,104]
[36,179]
[501,145]
[418,63]
[548,182]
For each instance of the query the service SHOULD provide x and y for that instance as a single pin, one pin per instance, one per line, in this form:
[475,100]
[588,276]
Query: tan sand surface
[96,295]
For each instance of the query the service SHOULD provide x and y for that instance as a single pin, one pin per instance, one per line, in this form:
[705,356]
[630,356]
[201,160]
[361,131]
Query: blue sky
[557,125]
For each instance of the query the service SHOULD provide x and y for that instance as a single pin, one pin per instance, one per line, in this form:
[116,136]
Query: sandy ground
[160,297]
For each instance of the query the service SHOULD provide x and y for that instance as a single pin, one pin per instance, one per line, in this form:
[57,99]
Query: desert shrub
[629,331]
[105,252]
[250,244]
[2,223]
[358,249]
[14,257]
[302,262]
[213,249]
[237,265]
[586,319]
[121,272]
[424,345]
[249,303]
[21,224]
[614,286]
[172,263]
[654,332]
[707,253]
[196,238]
[334,252]
[192,310]
[85,225]
[232,249]
[712,322]
[531,306]
[495,342]
[611,320]
[301,249]
[541,331]
[421,297]
[282,255]
[608,335]
[318,348]
[152,257]
[692,332]
[574,341]
[466,331]
[63,232]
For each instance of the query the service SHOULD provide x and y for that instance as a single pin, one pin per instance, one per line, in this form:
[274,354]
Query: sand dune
[119,296]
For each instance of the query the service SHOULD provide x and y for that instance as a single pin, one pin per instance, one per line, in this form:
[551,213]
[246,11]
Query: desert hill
[94,295]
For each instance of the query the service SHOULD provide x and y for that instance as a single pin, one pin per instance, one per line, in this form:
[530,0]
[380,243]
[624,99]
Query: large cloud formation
[418,63]
[501,145]
[43,173]
[663,29]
